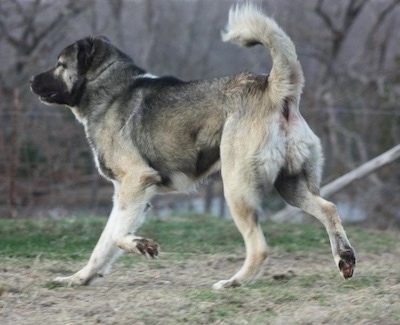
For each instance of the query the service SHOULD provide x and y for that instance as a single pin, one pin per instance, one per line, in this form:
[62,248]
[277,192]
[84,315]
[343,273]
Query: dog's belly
[183,150]
[185,174]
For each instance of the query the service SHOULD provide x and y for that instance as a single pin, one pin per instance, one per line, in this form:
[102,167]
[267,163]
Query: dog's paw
[146,247]
[226,284]
[80,278]
[347,262]
[70,281]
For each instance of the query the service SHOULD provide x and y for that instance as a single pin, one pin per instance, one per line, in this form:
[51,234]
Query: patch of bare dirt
[177,290]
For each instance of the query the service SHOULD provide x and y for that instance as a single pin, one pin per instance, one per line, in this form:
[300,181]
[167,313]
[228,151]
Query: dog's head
[79,62]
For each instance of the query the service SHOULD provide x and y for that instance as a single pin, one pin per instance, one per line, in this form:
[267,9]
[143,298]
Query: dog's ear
[104,38]
[90,51]
[85,54]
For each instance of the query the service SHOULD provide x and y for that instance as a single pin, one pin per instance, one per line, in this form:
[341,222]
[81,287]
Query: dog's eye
[60,64]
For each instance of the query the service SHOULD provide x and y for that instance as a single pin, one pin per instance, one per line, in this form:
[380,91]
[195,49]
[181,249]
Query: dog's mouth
[48,97]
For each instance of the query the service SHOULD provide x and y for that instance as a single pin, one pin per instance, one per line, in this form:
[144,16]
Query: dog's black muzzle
[49,88]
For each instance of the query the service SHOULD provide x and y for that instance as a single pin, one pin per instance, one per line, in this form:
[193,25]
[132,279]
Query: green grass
[74,238]
[49,238]
[193,234]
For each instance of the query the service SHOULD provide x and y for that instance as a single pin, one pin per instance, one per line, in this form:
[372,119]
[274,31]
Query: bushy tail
[249,26]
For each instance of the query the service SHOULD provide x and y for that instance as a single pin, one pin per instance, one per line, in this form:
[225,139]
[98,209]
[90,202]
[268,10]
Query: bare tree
[352,87]
[347,48]
[26,29]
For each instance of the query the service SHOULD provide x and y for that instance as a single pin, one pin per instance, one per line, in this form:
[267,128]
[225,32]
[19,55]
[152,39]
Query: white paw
[225,284]
[72,280]
[67,280]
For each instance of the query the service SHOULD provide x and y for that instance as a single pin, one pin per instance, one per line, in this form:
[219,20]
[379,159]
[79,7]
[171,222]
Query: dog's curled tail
[249,26]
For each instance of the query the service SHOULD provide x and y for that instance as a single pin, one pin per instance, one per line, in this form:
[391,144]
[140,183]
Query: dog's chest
[113,154]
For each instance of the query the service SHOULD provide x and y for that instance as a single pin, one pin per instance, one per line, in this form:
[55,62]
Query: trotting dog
[160,134]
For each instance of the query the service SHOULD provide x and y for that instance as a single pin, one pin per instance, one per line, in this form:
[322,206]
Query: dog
[154,135]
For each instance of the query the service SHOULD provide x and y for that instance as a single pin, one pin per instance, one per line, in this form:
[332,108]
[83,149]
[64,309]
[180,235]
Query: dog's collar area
[147,75]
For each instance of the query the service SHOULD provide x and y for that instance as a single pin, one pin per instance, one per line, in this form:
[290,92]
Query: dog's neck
[89,106]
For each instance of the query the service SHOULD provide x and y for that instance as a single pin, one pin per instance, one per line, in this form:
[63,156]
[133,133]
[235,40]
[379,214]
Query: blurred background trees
[350,51]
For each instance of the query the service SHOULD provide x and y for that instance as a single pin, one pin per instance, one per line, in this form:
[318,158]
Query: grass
[71,238]
[74,238]
[301,284]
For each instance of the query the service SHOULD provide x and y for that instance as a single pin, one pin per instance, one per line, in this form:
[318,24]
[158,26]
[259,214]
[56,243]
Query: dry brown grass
[176,290]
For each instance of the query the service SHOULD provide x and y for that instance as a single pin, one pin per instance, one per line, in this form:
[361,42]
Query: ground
[300,283]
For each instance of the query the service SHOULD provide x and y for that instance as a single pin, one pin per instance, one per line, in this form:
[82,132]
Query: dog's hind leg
[130,204]
[242,202]
[296,190]
[242,195]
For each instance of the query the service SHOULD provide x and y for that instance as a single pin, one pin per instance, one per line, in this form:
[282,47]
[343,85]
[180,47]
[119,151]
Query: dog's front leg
[130,204]
[133,202]
[104,253]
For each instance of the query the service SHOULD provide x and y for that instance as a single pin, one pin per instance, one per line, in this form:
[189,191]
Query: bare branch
[380,20]
[339,33]
[325,17]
